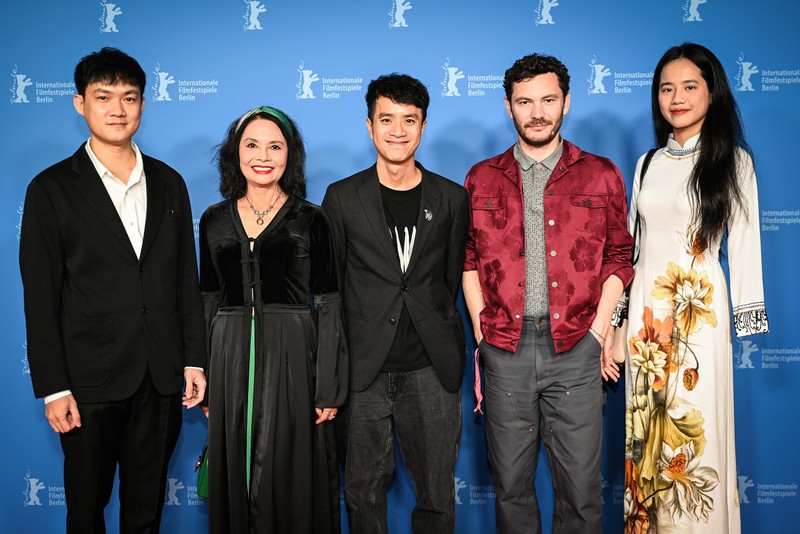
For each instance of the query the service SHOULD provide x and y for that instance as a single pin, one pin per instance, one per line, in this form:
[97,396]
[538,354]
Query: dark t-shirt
[401,208]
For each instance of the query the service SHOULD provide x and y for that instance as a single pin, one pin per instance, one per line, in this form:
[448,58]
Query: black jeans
[427,418]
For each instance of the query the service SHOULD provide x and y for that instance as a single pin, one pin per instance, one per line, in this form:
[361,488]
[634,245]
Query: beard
[542,139]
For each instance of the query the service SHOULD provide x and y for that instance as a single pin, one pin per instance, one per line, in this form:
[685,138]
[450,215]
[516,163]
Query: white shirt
[130,200]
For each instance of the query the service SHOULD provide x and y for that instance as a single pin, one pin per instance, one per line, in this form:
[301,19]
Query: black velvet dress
[288,289]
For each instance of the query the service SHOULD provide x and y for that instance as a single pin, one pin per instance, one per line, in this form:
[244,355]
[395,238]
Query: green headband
[272,112]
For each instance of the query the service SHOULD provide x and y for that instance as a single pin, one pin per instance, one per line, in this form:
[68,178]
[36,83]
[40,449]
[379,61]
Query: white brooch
[428,215]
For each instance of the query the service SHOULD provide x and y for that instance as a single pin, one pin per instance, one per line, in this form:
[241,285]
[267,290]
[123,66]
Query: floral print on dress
[690,294]
[693,244]
[637,519]
[680,445]
[690,482]
[652,348]
[666,435]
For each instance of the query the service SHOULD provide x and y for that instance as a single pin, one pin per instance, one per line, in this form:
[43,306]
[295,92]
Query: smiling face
[262,153]
[537,107]
[396,130]
[683,98]
[112,112]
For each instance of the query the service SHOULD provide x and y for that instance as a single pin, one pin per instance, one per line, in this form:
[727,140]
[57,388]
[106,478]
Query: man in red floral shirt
[548,256]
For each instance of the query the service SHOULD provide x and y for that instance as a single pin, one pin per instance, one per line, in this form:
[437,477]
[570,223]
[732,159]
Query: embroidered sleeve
[744,258]
[750,319]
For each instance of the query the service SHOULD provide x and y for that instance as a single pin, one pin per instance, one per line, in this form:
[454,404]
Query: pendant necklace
[261,214]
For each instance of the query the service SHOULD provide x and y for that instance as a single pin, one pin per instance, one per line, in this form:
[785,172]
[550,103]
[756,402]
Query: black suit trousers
[138,434]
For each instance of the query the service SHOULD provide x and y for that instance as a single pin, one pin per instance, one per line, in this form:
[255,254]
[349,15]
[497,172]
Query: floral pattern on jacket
[585,213]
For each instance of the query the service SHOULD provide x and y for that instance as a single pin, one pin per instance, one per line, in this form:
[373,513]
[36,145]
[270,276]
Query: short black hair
[109,65]
[533,65]
[399,88]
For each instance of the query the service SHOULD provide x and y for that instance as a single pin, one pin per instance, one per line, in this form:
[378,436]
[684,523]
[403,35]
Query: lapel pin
[428,215]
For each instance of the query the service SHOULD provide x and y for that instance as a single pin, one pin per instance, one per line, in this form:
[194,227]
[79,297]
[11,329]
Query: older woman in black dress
[278,358]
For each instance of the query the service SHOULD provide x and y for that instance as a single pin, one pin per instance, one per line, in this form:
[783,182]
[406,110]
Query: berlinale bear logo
[746,70]
[544,11]
[163,81]
[599,72]
[690,10]
[33,486]
[18,86]
[398,19]
[110,11]
[173,485]
[307,77]
[254,9]
[451,76]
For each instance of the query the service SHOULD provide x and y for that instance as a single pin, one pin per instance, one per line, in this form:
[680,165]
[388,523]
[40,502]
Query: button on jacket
[586,241]
[375,286]
[98,315]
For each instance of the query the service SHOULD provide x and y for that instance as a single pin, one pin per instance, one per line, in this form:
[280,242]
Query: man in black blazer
[400,233]
[112,304]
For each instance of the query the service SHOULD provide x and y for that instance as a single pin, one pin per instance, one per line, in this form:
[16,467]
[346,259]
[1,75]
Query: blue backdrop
[208,62]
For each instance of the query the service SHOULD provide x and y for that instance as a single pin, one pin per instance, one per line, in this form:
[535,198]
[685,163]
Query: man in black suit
[400,232]
[112,304]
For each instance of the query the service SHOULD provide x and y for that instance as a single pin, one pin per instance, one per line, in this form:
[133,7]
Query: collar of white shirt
[136,174]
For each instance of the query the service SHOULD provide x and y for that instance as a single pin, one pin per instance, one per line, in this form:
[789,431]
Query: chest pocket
[489,212]
[585,200]
[489,203]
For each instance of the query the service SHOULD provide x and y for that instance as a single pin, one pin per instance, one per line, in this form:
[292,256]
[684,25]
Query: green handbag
[201,467]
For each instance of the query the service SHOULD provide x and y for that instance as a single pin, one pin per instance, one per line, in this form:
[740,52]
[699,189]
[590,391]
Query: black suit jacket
[97,316]
[375,287]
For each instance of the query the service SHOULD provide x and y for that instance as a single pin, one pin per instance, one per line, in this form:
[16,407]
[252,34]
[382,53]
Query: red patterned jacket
[586,237]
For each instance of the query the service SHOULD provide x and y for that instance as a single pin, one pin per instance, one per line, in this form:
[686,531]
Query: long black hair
[714,186]
[232,183]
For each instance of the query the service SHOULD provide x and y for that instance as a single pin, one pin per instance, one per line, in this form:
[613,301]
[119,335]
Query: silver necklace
[261,214]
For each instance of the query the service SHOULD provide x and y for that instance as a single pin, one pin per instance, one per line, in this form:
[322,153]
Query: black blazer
[375,287]
[97,317]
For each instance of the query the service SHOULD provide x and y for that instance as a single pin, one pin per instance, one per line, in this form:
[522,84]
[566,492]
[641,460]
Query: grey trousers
[536,394]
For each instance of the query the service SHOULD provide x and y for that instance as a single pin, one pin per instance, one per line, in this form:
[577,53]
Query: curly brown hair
[533,65]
